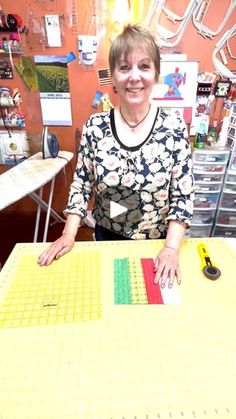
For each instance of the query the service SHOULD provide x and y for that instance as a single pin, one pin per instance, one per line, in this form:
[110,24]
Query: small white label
[53,30]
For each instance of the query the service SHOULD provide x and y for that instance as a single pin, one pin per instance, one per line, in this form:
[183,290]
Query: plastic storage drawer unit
[209,167]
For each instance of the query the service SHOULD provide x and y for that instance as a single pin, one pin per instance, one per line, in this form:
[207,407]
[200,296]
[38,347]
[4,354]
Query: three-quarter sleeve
[181,194]
[81,188]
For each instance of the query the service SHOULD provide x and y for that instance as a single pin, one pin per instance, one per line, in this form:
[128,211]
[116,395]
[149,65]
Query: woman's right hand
[57,249]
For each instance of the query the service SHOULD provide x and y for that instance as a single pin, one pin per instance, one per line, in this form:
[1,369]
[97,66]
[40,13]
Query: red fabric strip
[153,290]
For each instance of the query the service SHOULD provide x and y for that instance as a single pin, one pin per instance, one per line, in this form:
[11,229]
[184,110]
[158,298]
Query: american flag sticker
[104,76]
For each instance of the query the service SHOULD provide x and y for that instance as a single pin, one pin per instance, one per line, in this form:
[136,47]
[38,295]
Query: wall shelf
[10,113]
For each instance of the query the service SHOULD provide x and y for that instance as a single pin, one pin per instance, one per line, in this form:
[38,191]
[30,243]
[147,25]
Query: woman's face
[134,77]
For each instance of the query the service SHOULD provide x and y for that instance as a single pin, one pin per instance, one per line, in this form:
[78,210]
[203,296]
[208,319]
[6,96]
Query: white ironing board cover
[29,176]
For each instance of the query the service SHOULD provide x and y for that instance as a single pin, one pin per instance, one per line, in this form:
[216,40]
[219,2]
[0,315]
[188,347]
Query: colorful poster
[177,84]
[54,90]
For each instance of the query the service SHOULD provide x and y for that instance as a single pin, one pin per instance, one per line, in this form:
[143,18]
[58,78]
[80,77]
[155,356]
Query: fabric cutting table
[27,178]
[70,349]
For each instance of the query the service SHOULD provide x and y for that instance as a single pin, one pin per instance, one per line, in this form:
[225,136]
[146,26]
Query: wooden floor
[19,228]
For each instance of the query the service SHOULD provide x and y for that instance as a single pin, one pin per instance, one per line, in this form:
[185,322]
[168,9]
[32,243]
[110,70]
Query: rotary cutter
[209,270]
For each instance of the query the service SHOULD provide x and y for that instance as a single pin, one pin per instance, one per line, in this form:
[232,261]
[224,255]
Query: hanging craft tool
[209,270]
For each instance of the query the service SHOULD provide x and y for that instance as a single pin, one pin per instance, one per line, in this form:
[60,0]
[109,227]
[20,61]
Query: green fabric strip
[122,288]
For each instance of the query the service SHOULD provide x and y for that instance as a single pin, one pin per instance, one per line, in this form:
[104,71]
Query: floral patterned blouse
[157,173]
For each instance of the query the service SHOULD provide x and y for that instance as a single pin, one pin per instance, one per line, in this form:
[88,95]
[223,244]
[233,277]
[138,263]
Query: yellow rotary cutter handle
[209,270]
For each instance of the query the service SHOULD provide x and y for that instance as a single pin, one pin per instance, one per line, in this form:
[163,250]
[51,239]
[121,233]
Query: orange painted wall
[84,82]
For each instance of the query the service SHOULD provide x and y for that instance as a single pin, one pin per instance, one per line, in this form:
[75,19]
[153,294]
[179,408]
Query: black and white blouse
[155,177]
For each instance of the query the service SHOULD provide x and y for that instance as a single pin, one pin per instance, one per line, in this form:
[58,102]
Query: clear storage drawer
[203,216]
[231,177]
[201,187]
[230,187]
[210,156]
[198,231]
[208,177]
[228,200]
[226,217]
[220,231]
[209,168]
[233,164]
[206,200]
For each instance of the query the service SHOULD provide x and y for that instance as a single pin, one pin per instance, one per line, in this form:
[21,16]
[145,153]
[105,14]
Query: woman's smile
[134,90]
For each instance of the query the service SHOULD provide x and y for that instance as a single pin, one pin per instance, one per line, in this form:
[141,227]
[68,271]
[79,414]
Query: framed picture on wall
[177,85]
[222,88]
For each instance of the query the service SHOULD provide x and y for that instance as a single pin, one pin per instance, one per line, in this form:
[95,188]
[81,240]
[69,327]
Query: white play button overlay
[116,209]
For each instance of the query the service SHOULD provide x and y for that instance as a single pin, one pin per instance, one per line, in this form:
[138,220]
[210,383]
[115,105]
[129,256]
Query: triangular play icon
[116,209]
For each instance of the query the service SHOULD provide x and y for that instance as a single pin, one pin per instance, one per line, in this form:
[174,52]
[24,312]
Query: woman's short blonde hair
[132,38]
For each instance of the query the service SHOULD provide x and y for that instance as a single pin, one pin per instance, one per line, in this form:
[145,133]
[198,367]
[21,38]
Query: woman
[137,156]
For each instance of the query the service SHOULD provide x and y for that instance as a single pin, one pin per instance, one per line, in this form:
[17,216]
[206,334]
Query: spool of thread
[14,36]
[18,19]
[10,22]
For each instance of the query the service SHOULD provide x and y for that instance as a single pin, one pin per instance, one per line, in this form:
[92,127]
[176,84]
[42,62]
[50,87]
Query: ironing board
[28,179]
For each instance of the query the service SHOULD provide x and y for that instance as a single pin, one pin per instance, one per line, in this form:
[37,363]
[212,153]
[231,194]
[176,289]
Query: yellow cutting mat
[128,361]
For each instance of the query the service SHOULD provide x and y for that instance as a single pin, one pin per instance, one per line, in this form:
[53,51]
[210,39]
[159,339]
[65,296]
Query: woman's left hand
[167,267]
